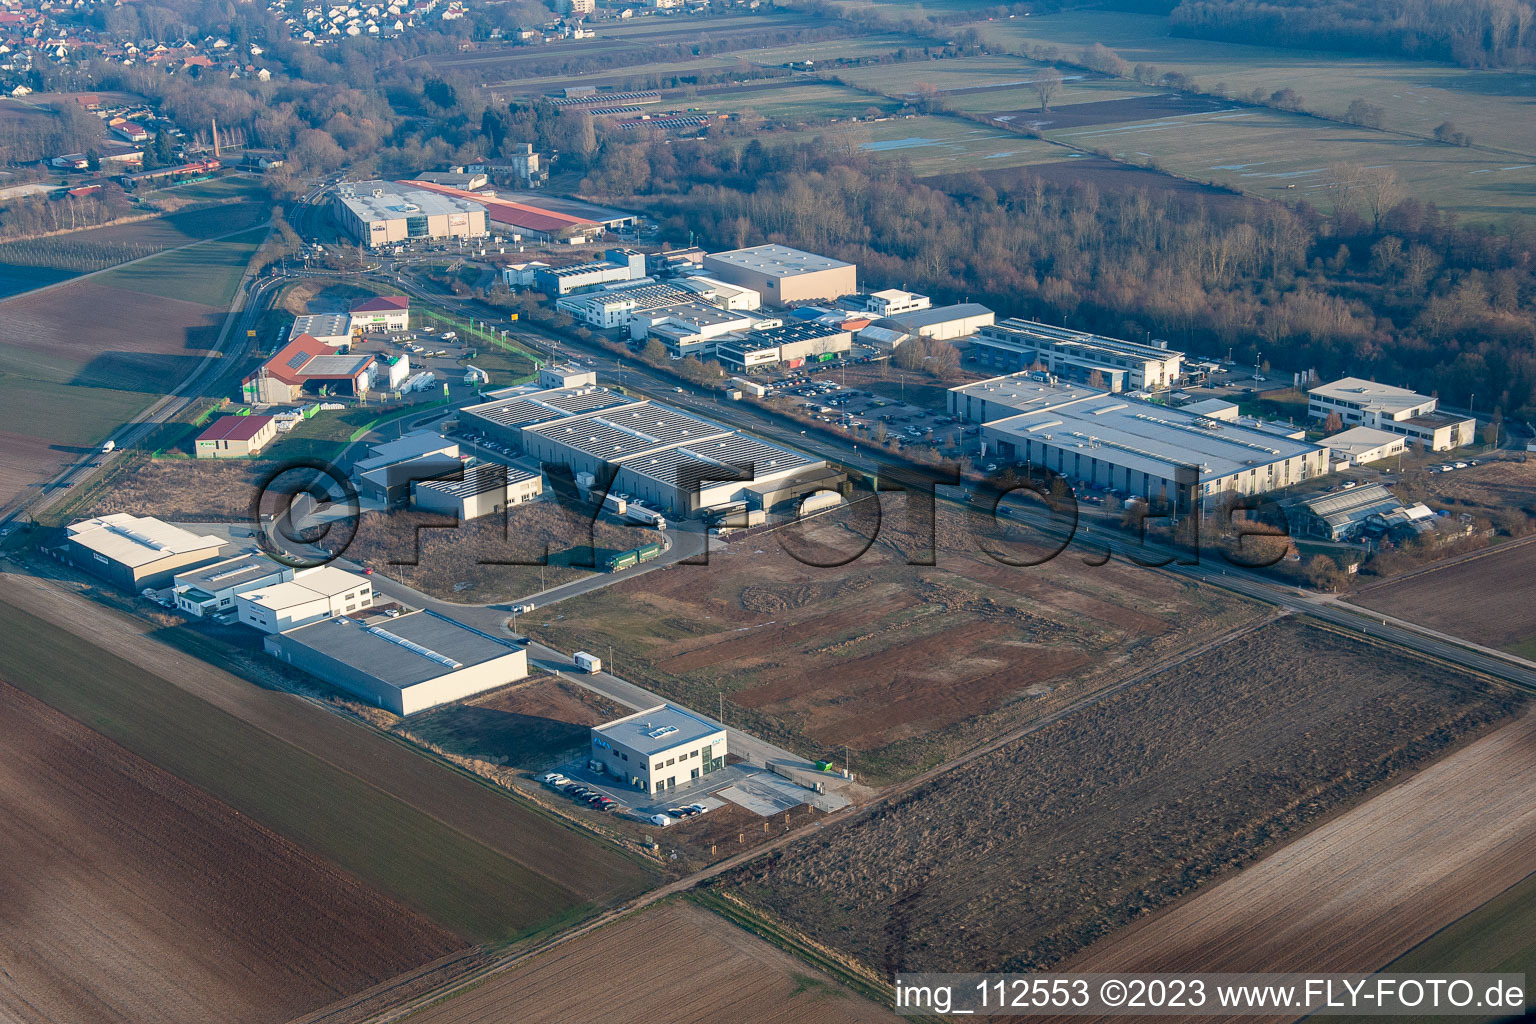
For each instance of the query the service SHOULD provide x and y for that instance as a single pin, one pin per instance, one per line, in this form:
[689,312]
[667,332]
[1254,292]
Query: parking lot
[822,397]
[758,790]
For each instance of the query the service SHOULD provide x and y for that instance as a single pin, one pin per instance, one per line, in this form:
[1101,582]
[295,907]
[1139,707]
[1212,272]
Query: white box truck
[641,514]
[588,663]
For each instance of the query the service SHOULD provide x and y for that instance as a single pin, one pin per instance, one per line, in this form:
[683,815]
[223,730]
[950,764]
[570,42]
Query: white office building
[1396,410]
[659,749]
[311,595]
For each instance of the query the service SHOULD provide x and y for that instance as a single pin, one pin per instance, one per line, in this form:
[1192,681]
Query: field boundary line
[1443,563]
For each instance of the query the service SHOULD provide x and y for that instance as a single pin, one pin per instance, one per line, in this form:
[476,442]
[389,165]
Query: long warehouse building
[378,213]
[1108,440]
[664,457]
[1014,345]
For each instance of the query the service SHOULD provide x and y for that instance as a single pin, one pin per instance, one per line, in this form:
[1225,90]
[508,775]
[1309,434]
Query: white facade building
[311,595]
[659,749]
[1397,410]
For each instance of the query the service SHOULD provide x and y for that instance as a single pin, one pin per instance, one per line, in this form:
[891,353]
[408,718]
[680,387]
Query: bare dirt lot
[1040,848]
[1502,491]
[494,557]
[1362,888]
[905,664]
[131,895]
[674,962]
[185,489]
[1486,599]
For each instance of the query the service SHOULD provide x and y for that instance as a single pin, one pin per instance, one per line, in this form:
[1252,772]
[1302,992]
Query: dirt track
[675,963]
[130,896]
[1365,887]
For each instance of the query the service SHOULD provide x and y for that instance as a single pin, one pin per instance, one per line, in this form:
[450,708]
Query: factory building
[616,265]
[719,293]
[783,276]
[1397,410]
[1012,345]
[212,589]
[792,345]
[1345,515]
[379,213]
[1105,440]
[334,329]
[386,474]
[945,323]
[235,437]
[531,220]
[664,457]
[136,552]
[387,314]
[566,375]
[307,366]
[483,490]
[404,664]
[309,596]
[693,328]
[616,305]
[659,749]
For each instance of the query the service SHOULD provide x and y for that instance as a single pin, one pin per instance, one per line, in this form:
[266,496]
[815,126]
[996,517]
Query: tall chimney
[216,138]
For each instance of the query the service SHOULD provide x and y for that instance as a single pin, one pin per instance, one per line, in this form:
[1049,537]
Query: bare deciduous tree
[1047,87]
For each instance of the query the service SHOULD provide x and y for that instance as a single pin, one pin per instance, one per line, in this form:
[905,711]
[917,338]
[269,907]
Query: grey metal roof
[489,476]
[434,646]
[231,572]
[779,260]
[1140,435]
[628,430]
[939,315]
[539,406]
[657,729]
[394,201]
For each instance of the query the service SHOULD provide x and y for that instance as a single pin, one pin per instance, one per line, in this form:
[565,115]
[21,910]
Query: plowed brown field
[129,895]
[673,963]
[1033,852]
[1365,887]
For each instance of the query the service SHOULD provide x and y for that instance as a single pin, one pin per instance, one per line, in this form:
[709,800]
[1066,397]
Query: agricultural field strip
[128,263]
[105,851]
[1417,95]
[1366,885]
[727,973]
[501,826]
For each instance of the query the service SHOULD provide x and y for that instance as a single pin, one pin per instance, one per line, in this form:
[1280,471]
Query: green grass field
[401,850]
[206,273]
[803,101]
[29,407]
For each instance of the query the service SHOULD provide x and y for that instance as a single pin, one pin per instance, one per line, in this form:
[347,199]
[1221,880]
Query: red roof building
[522,219]
[233,437]
[307,363]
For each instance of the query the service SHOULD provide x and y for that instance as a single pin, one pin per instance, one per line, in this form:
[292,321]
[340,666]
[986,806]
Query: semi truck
[633,557]
[588,663]
[641,514]
[615,503]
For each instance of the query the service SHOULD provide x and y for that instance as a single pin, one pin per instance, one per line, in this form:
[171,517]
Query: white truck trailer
[588,663]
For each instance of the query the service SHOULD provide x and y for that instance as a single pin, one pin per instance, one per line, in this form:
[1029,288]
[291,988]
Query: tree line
[1475,33]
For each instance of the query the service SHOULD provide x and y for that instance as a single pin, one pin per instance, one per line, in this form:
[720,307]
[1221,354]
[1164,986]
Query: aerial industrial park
[491,494]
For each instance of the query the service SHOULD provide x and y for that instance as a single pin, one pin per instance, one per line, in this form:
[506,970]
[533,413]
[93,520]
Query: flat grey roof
[434,646]
[1016,328]
[628,430]
[939,314]
[395,201]
[409,446]
[657,729]
[231,572]
[542,405]
[779,260]
[1368,394]
[488,476]
[320,325]
[1143,436]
